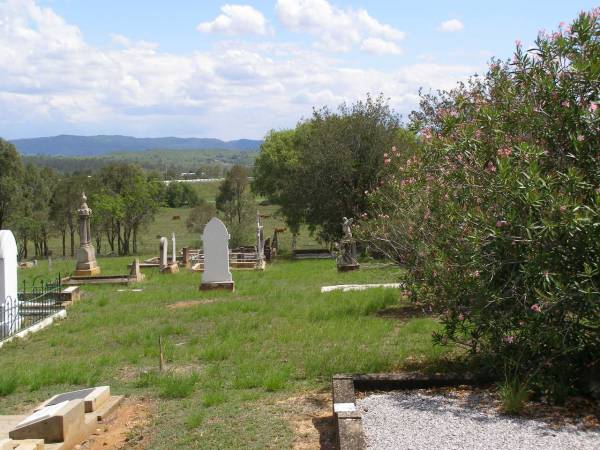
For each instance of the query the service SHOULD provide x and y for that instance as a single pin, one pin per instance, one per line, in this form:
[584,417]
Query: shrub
[497,213]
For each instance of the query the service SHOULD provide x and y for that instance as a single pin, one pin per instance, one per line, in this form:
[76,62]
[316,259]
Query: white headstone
[174,260]
[215,240]
[164,248]
[9,314]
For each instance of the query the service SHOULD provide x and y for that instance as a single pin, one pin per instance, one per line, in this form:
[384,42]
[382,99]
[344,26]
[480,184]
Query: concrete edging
[36,327]
[348,419]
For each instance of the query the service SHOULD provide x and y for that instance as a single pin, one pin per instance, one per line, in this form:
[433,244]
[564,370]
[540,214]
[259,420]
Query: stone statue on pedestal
[346,257]
[86,254]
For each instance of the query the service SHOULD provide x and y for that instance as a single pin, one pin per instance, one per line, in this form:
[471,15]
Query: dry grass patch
[311,419]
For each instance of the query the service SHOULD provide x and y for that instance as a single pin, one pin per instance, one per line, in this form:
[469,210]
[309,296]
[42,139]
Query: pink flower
[508,339]
[536,308]
[504,151]
[593,107]
[386,161]
[501,223]
[580,137]
[385,155]
[563,208]
[394,149]
[461,317]
[565,103]
[476,274]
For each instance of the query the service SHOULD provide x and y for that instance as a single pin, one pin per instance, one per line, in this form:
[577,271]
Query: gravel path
[415,420]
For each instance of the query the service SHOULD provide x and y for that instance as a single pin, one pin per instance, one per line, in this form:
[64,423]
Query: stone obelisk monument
[86,255]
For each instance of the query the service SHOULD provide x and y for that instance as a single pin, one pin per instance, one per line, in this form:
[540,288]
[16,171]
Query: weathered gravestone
[174,252]
[135,273]
[10,321]
[86,254]
[162,247]
[216,273]
[165,266]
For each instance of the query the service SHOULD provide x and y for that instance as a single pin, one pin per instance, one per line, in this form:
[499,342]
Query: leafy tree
[321,171]
[63,206]
[11,174]
[237,206]
[138,196]
[200,215]
[178,194]
[275,170]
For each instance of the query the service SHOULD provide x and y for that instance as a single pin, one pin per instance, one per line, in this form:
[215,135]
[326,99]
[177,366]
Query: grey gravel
[415,420]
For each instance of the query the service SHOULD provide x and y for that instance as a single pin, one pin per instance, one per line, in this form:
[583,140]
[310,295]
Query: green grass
[228,362]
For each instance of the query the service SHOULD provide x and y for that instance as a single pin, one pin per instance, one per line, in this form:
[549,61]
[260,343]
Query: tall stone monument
[10,320]
[86,254]
[216,273]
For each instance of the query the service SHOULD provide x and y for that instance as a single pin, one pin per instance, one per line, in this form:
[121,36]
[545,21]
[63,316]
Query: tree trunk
[135,240]
[64,242]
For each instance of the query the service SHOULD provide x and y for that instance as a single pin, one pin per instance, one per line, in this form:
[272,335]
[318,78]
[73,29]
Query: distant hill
[69,145]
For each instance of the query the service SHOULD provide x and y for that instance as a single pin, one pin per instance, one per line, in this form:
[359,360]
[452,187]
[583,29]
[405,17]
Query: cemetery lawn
[233,360]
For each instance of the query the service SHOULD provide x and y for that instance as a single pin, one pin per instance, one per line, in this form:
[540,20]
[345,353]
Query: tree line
[37,203]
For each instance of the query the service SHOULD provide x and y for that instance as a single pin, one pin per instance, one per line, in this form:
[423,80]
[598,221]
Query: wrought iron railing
[38,300]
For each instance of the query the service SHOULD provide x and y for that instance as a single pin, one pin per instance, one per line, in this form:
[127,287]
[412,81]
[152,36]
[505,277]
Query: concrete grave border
[348,419]
[62,314]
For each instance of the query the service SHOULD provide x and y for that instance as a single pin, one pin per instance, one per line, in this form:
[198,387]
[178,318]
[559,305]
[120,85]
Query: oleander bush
[496,215]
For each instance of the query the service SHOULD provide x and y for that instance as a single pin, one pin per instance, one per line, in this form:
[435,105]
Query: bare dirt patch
[126,429]
[404,312]
[311,418]
[190,303]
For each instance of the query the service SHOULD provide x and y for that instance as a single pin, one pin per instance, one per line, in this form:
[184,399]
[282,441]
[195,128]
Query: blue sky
[238,69]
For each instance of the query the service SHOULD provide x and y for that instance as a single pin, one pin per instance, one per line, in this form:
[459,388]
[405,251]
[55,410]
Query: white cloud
[378,46]
[337,29]
[52,81]
[451,26]
[236,20]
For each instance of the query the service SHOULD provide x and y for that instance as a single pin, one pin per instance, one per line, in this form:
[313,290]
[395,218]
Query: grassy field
[234,360]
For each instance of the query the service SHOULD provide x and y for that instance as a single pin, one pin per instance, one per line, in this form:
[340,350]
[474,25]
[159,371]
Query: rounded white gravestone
[215,240]
[9,314]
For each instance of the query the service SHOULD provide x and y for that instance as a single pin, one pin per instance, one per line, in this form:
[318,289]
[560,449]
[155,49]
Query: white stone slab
[360,287]
[344,407]
[42,414]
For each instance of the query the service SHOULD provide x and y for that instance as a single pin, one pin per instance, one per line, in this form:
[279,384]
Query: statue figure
[346,248]
[346,224]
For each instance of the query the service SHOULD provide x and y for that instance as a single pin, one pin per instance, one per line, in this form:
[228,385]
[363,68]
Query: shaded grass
[228,360]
